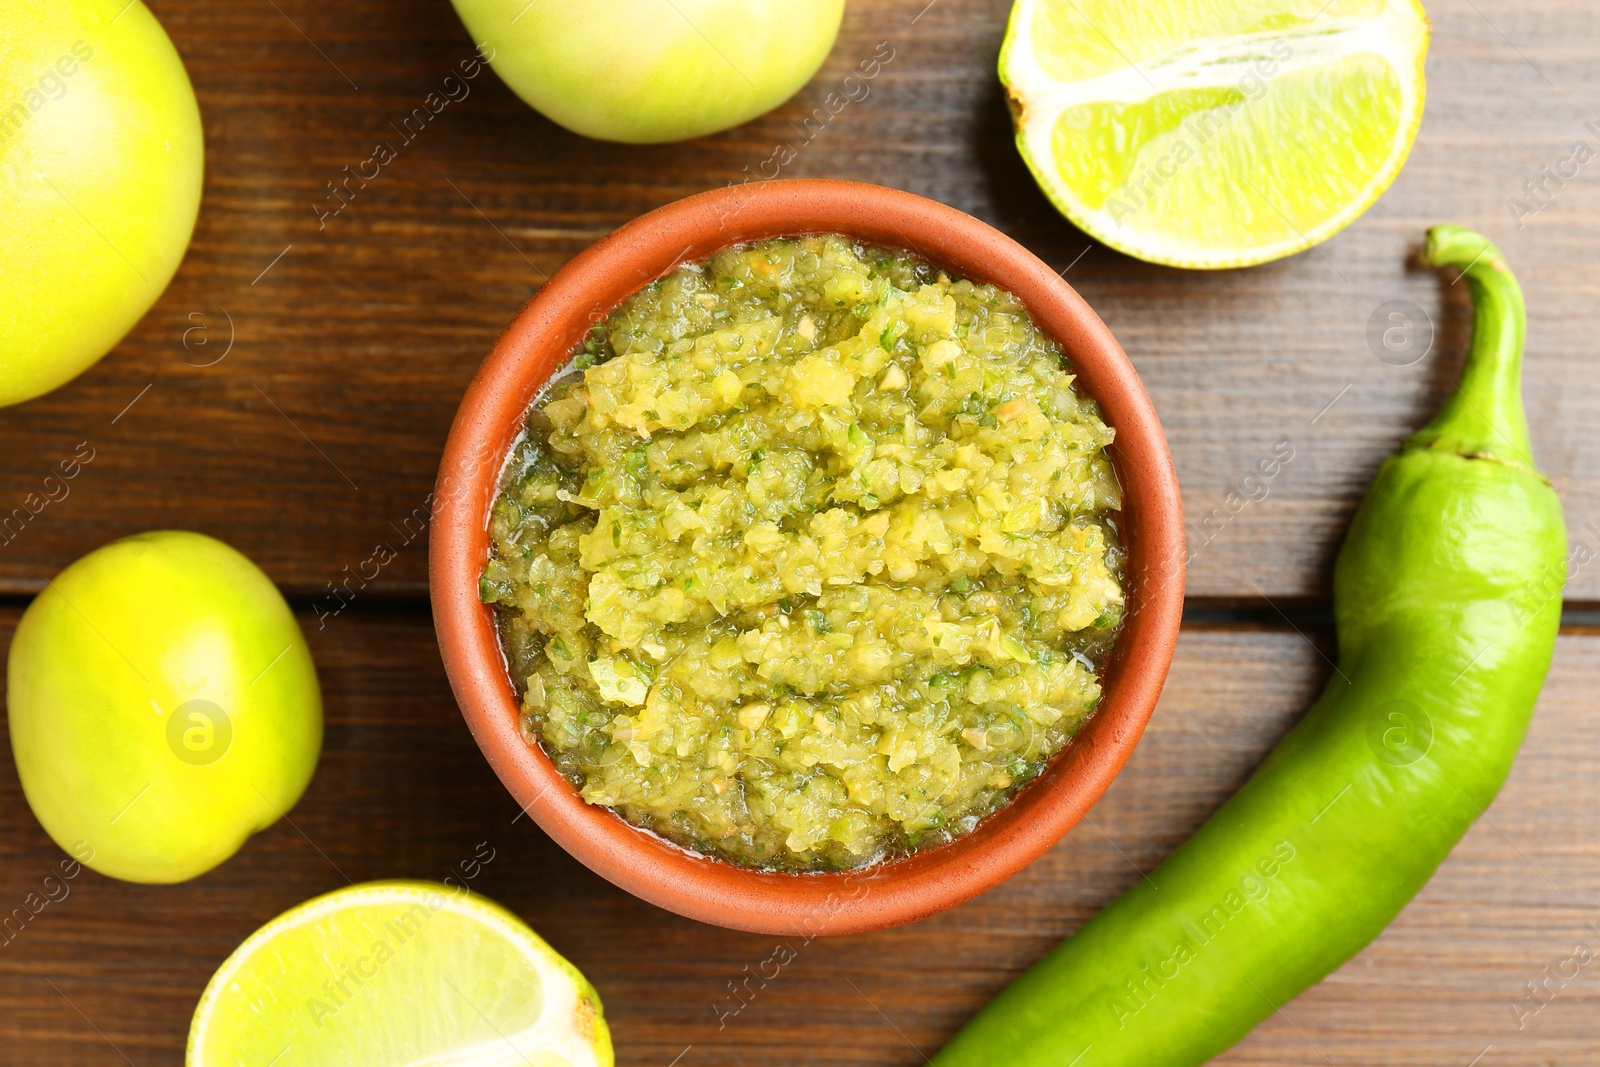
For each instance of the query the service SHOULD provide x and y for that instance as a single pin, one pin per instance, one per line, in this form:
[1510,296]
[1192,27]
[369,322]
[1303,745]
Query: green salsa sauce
[809,556]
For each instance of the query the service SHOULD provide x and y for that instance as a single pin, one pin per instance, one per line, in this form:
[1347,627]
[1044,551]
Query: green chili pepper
[1446,615]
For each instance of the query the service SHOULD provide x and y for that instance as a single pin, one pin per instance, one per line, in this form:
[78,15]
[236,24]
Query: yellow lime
[398,974]
[1214,133]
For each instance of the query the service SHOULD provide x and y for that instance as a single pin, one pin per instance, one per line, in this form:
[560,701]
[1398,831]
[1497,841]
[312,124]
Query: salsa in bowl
[806,553]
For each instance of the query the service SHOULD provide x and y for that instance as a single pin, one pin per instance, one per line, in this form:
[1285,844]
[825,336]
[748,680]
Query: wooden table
[306,427]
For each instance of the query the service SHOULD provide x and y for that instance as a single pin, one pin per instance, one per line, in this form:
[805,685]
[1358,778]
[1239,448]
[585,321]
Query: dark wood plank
[317,435]
[403,792]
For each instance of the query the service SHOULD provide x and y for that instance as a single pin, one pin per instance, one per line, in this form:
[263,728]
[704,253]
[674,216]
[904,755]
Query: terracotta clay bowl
[543,335]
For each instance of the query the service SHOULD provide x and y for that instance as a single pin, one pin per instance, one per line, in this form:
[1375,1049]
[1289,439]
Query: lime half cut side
[398,974]
[1215,134]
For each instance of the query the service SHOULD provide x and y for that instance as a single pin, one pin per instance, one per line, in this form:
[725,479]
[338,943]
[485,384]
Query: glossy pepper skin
[1446,597]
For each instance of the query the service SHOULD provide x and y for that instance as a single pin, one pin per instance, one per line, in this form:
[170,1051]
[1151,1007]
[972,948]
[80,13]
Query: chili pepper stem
[1484,416]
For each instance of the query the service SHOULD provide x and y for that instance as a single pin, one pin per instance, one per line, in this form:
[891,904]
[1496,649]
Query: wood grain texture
[403,792]
[319,432]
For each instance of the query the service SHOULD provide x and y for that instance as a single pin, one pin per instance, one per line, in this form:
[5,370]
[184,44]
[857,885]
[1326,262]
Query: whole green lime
[645,71]
[101,157]
[163,706]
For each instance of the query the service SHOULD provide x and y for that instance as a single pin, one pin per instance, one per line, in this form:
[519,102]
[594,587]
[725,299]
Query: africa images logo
[50,86]
[1196,130]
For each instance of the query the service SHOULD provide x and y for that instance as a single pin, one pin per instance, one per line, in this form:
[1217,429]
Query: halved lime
[1214,133]
[398,974]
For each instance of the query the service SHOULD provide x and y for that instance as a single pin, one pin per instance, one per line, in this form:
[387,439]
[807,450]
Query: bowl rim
[547,330]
